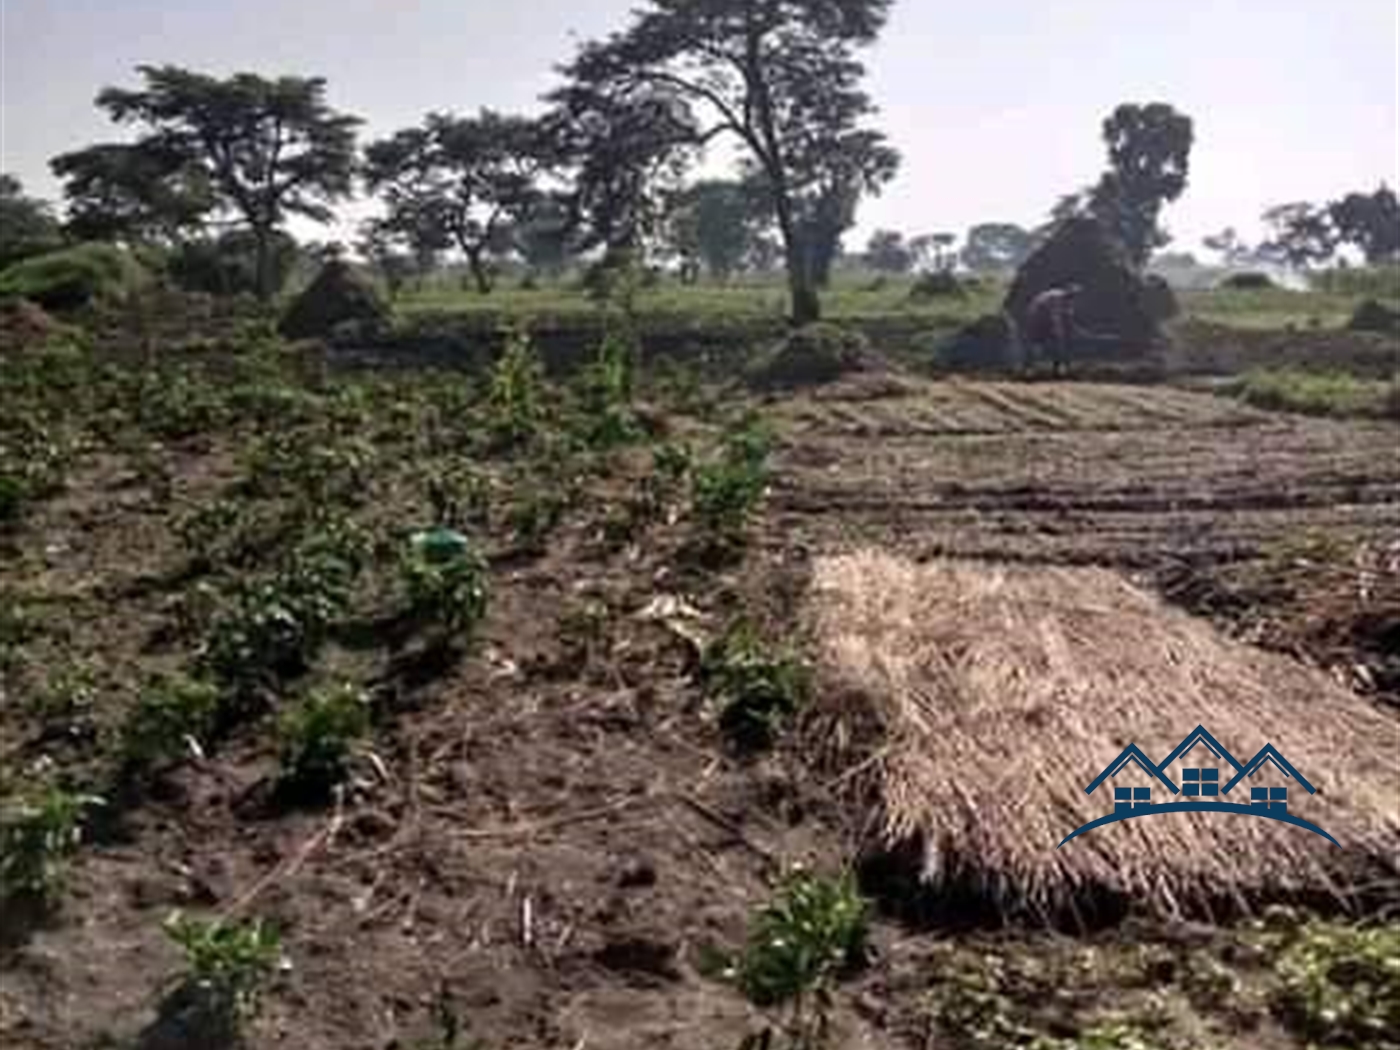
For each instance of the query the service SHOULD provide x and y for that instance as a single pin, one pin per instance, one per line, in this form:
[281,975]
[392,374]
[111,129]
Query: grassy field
[553,786]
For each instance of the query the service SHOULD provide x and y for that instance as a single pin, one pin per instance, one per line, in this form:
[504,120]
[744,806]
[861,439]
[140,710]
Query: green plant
[534,515]
[515,399]
[75,277]
[813,930]
[318,736]
[38,834]
[458,494]
[726,491]
[607,387]
[12,500]
[759,686]
[446,585]
[1312,393]
[227,964]
[175,716]
[1340,984]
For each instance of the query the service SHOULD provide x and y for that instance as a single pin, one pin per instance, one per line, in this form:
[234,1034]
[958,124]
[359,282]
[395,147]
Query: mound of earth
[813,355]
[1115,303]
[1374,316]
[340,296]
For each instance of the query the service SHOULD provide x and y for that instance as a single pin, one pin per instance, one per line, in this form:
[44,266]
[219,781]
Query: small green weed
[227,965]
[1340,984]
[606,394]
[813,930]
[446,586]
[175,717]
[38,835]
[727,490]
[318,737]
[458,494]
[760,687]
[1315,393]
[533,516]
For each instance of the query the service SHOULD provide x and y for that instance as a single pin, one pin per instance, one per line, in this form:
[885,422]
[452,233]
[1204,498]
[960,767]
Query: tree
[887,252]
[1227,244]
[1371,222]
[779,76]
[543,238]
[715,221]
[228,264]
[27,225]
[471,177]
[139,194]
[1149,153]
[263,149]
[1303,235]
[996,247]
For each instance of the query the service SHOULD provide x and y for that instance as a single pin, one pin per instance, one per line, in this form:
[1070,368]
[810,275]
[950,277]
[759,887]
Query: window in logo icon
[1273,799]
[1200,782]
[1125,800]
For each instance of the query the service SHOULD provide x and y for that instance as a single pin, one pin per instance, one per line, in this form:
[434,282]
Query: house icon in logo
[1201,787]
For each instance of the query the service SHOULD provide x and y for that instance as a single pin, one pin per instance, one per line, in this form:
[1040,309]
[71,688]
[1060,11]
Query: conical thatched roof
[338,295]
[978,702]
[1114,303]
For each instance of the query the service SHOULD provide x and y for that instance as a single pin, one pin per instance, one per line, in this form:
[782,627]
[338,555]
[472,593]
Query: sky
[995,106]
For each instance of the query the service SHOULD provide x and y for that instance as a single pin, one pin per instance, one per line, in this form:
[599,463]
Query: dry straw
[977,702]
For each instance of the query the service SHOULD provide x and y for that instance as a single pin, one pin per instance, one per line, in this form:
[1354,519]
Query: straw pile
[972,704]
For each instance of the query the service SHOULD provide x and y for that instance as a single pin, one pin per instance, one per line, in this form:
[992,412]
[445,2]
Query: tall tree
[1149,153]
[996,247]
[146,193]
[472,177]
[887,252]
[543,239]
[781,77]
[1233,251]
[715,221]
[266,149]
[27,224]
[1303,235]
[1371,222]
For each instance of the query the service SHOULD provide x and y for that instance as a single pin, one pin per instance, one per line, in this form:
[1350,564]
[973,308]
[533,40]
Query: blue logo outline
[1158,771]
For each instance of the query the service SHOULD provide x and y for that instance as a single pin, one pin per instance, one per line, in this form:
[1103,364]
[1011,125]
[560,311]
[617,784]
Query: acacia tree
[146,193]
[995,247]
[471,177]
[264,149]
[716,222]
[779,76]
[1149,152]
[1370,221]
[1303,235]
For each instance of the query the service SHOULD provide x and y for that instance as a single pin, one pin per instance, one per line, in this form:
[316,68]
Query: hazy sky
[996,105]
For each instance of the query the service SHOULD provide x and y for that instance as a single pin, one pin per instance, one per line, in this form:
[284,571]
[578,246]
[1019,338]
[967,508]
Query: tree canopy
[27,224]
[717,221]
[1371,222]
[996,247]
[254,148]
[1149,153]
[468,178]
[781,78]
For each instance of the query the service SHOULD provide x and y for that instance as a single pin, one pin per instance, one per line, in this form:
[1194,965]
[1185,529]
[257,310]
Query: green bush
[814,930]
[227,964]
[1313,393]
[318,737]
[726,491]
[760,687]
[446,586]
[38,835]
[175,717]
[72,278]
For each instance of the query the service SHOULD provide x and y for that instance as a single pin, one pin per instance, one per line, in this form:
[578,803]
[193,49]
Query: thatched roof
[977,702]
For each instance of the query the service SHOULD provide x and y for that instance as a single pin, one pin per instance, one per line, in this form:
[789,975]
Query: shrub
[73,278]
[813,354]
[1312,393]
[226,966]
[445,580]
[318,736]
[936,284]
[172,404]
[726,491]
[760,687]
[516,395]
[607,387]
[38,835]
[815,929]
[175,716]
[534,516]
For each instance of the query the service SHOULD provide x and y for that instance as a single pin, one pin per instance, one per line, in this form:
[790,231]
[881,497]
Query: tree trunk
[263,263]
[480,271]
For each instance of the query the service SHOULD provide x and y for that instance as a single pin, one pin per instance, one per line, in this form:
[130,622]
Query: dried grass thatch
[975,703]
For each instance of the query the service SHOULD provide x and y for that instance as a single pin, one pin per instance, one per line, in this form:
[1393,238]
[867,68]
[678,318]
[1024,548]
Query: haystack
[813,355]
[971,706]
[340,296]
[1374,316]
[1115,303]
